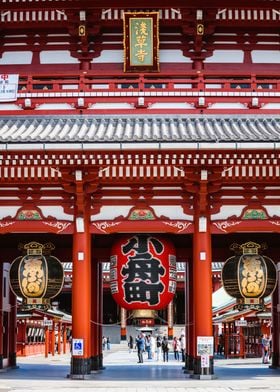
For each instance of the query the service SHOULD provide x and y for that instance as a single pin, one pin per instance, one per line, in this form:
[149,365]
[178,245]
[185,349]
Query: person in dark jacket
[165,349]
[140,344]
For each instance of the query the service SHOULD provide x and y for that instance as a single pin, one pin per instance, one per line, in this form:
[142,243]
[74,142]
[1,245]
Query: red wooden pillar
[123,324]
[170,320]
[13,331]
[202,290]
[100,312]
[1,315]
[64,339]
[81,300]
[190,341]
[52,340]
[276,323]
[47,341]
[94,317]
[59,338]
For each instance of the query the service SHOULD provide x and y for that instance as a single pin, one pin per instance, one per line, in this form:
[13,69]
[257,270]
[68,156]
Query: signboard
[205,345]
[8,87]
[241,323]
[78,346]
[141,41]
[205,362]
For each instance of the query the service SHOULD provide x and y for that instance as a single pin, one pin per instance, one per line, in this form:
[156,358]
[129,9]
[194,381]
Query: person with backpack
[165,349]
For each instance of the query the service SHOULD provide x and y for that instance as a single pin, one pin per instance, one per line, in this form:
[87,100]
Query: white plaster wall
[56,212]
[57,57]
[54,106]
[266,56]
[111,212]
[173,56]
[9,106]
[110,56]
[112,105]
[227,105]
[21,57]
[8,211]
[172,212]
[171,105]
[165,56]
[226,56]
[227,211]
[273,210]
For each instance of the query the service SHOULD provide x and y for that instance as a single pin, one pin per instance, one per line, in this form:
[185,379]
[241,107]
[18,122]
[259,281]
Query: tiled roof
[126,129]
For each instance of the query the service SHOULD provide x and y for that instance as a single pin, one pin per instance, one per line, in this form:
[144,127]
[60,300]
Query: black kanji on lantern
[143,270]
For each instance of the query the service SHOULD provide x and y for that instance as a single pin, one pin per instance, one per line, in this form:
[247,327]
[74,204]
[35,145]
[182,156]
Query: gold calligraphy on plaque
[33,281]
[141,35]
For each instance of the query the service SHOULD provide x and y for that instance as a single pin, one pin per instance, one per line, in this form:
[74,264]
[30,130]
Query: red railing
[86,82]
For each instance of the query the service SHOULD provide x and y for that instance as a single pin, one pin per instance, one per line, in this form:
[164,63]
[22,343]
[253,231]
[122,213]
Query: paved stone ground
[124,374]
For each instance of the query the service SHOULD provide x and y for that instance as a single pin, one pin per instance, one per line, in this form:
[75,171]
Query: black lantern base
[189,364]
[100,360]
[13,360]
[94,363]
[80,368]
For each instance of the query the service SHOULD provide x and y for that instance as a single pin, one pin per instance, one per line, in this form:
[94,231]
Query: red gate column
[81,300]
[123,324]
[1,316]
[189,334]
[47,341]
[170,319]
[100,313]
[276,323]
[94,317]
[13,330]
[202,289]
[59,336]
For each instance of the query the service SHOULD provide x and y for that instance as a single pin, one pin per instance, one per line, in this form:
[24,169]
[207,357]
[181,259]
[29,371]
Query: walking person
[176,348]
[183,347]
[165,349]
[221,344]
[140,344]
[153,346]
[148,346]
[158,347]
[130,344]
[108,343]
[265,349]
[104,342]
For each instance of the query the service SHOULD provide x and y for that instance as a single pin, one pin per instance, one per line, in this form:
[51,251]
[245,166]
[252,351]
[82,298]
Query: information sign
[78,346]
[205,345]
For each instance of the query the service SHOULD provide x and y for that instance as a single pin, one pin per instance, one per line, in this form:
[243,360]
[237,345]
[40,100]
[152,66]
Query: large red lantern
[249,277]
[37,276]
[143,272]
